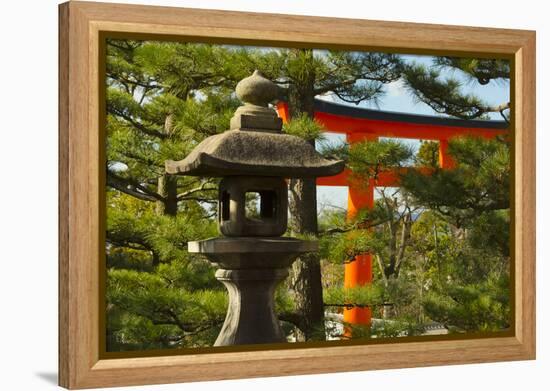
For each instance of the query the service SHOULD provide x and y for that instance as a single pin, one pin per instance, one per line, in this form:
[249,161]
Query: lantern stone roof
[255,144]
[238,152]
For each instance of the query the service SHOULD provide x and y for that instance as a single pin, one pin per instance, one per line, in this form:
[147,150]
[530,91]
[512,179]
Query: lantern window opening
[262,204]
[225,200]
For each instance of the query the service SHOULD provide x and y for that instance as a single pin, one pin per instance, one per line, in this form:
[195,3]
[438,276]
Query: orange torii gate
[359,124]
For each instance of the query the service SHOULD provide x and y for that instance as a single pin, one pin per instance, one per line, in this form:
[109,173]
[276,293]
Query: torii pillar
[358,271]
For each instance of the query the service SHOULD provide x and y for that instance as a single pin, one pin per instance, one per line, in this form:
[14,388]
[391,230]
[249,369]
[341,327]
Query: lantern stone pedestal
[251,268]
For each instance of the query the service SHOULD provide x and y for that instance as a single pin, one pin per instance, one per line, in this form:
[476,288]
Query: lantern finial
[256,91]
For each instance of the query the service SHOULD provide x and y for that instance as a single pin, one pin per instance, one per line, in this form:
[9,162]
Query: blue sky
[397,98]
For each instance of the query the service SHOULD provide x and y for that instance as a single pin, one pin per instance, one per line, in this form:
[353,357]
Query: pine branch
[132,187]
[136,82]
[186,195]
[444,96]
[500,108]
[132,243]
[482,70]
[334,86]
[355,101]
[364,224]
[143,160]
[188,328]
[201,199]
[138,125]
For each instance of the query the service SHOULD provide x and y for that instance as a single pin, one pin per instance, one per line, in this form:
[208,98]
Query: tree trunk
[155,259]
[306,271]
[167,185]
[388,311]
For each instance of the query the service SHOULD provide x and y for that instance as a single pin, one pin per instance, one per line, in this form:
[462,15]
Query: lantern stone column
[251,313]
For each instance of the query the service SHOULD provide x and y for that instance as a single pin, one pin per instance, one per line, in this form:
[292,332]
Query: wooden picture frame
[80,155]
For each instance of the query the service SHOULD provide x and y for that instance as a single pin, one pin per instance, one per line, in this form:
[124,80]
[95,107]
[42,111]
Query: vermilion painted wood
[342,124]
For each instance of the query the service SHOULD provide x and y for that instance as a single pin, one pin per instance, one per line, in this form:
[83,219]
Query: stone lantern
[253,157]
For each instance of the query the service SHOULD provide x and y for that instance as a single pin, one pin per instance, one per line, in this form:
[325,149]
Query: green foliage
[304,127]
[182,69]
[465,283]
[283,300]
[366,295]
[351,76]
[483,70]
[428,154]
[152,295]
[367,159]
[394,328]
[331,218]
[480,306]
[397,327]
[335,151]
[163,307]
[442,95]
[490,232]
[343,247]
[164,236]
[479,183]
[370,71]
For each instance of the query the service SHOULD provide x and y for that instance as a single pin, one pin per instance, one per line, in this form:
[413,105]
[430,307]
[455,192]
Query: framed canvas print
[247,195]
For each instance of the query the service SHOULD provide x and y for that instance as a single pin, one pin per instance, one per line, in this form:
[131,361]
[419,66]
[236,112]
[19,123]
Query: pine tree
[467,235]
[162,99]
[303,74]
